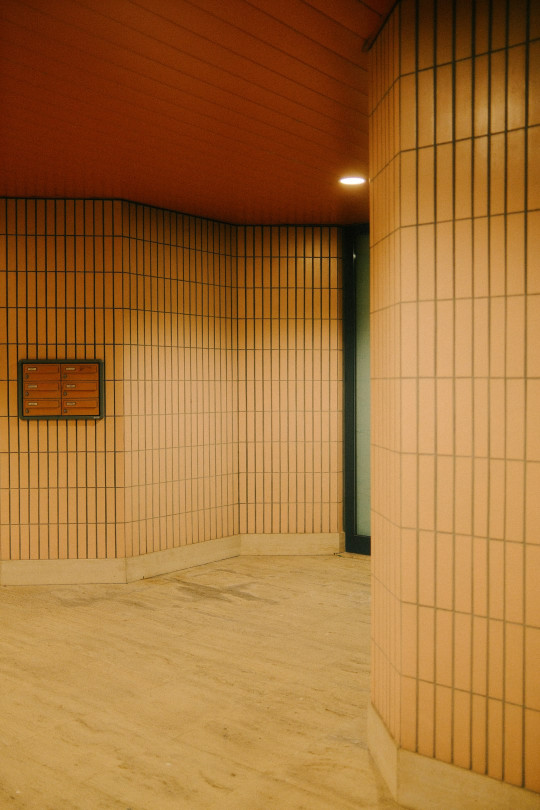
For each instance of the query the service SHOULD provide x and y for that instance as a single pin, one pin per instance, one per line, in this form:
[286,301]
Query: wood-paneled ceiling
[239,110]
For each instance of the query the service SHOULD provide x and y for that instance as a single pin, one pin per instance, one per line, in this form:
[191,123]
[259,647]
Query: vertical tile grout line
[236,355]
[282,372]
[163,450]
[284,413]
[146,322]
[76,424]
[308,438]
[525,387]
[180,370]
[473,388]
[283,419]
[291,233]
[489,369]
[268,381]
[56,428]
[300,381]
[248,385]
[141,380]
[28,465]
[16,356]
[313,381]
[417,361]
[194,381]
[94,431]
[188,394]
[85,355]
[505,390]
[321,440]
[128,384]
[437,688]
[7,373]
[107,371]
[395,433]
[328,313]
[224,509]
[124,417]
[237,519]
[225,436]
[51,426]
[317,367]
[256,231]
[181,365]
[204,365]
[274,360]
[150,243]
[453,392]
[209,381]
[326,509]
[69,424]
[115,416]
[169,305]
[214,447]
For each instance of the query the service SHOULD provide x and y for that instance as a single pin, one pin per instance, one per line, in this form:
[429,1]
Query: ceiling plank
[247,111]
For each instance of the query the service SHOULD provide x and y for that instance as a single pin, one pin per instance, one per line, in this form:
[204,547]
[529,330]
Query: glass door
[357,501]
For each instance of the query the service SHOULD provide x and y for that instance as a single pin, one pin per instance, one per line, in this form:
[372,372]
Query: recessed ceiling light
[352,181]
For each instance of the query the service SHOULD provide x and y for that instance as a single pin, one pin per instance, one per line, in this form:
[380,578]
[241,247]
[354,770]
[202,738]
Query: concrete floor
[239,685]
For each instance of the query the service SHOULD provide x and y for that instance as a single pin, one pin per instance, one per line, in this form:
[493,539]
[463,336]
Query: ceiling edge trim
[370,41]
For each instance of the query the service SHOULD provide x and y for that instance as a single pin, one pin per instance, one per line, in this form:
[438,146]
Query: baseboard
[421,783]
[383,749]
[176,559]
[283,544]
[62,572]
[130,569]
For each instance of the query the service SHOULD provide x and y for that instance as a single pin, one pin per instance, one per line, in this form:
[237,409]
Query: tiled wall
[222,349]
[178,348]
[456,367]
[290,379]
[59,288]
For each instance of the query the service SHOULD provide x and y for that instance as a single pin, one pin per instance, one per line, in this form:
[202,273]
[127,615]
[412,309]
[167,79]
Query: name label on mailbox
[67,389]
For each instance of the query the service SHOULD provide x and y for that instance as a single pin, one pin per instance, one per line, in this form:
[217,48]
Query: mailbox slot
[42,403]
[41,371]
[45,388]
[80,371]
[40,407]
[90,407]
[80,385]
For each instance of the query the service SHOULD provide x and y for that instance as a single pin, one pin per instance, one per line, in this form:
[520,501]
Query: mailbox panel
[45,388]
[41,407]
[79,371]
[81,406]
[70,389]
[82,386]
[41,371]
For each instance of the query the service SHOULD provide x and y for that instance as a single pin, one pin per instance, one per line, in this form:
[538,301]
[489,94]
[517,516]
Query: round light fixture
[352,181]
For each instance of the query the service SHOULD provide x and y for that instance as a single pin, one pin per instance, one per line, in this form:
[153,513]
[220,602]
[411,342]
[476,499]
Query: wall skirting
[327,543]
[421,783]
[86,572]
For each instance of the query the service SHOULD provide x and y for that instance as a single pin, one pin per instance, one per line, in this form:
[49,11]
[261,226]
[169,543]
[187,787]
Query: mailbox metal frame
[55,362]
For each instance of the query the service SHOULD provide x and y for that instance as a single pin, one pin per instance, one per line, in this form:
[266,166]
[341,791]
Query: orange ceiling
[238,110]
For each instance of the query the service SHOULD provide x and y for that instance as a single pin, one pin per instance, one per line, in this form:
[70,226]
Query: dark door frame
[356,543]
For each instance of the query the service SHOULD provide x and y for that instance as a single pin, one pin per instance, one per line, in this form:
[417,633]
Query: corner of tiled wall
[456,327]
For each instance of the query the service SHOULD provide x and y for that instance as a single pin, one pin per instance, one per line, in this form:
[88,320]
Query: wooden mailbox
[61,389]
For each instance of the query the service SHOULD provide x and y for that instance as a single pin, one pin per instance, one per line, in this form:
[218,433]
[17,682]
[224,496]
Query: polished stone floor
[239,685]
